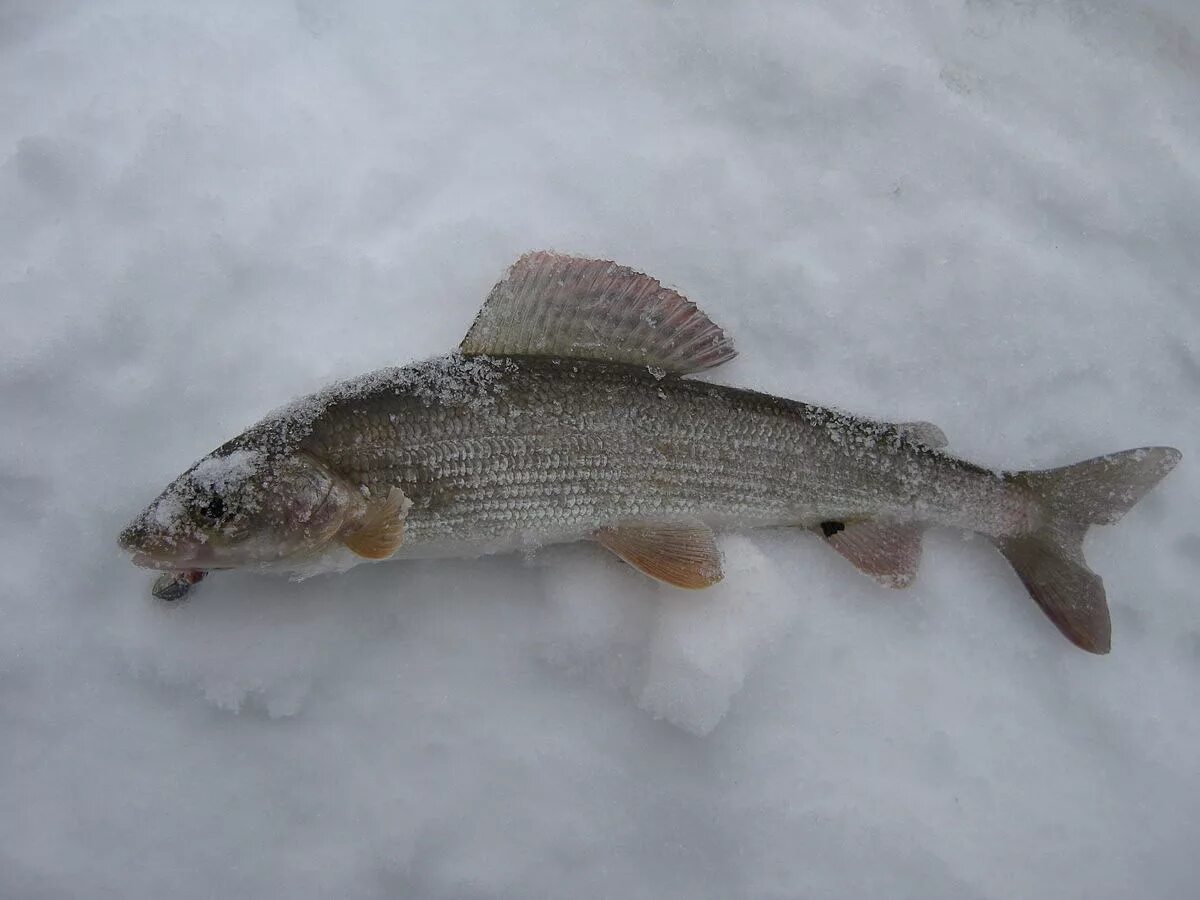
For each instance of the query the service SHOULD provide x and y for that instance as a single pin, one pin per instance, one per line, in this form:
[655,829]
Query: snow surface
[980,213]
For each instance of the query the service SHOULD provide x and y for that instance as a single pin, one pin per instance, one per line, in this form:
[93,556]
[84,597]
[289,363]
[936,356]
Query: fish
[569,413]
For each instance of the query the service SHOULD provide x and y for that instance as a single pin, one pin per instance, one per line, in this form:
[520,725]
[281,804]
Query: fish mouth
[144,560]
[149,548]
[179,559]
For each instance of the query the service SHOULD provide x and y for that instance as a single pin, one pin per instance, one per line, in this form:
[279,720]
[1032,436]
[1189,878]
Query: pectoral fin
[682,555]
[381,531]
[890,552]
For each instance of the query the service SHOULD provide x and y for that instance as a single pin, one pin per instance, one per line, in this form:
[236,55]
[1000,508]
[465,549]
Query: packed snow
[980,213]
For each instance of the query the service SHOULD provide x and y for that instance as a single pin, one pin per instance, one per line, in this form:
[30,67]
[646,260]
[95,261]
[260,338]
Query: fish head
[240,507]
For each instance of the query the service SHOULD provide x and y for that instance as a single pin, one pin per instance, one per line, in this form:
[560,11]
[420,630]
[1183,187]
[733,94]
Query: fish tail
[1071,499]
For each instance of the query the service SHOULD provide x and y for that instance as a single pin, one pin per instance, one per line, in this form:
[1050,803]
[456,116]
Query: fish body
[567,415]
[499,453]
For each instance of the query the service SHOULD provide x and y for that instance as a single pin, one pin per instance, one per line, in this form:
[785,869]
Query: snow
[979,214]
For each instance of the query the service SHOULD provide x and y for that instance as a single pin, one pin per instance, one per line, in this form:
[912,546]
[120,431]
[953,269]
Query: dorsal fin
[549,304]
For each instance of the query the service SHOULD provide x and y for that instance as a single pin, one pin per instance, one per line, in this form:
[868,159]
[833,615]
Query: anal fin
[890,552]
[682,555]
[381,530]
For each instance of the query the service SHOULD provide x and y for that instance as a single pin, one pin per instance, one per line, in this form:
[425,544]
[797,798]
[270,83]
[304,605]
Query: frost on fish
[566,416]
[451,379]
[207,483]
[219,473]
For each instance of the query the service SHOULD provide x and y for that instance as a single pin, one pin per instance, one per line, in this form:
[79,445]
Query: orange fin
[382,528]
[889,552]
[682,555]
[551,304]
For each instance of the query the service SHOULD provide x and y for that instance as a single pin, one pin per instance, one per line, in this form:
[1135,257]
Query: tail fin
[1050,559]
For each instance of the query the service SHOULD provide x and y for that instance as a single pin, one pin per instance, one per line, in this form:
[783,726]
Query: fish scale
[492,464]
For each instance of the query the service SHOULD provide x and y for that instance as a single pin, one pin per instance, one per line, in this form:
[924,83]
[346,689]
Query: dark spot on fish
[215,508]
[829,529]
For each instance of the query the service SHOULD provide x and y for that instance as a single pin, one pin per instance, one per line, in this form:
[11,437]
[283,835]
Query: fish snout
[156,548]
[133,536]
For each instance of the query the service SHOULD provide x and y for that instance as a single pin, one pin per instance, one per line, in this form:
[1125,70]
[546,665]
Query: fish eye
[214,508]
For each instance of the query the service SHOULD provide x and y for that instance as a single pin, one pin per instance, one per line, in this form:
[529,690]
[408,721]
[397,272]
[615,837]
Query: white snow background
[980,213]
